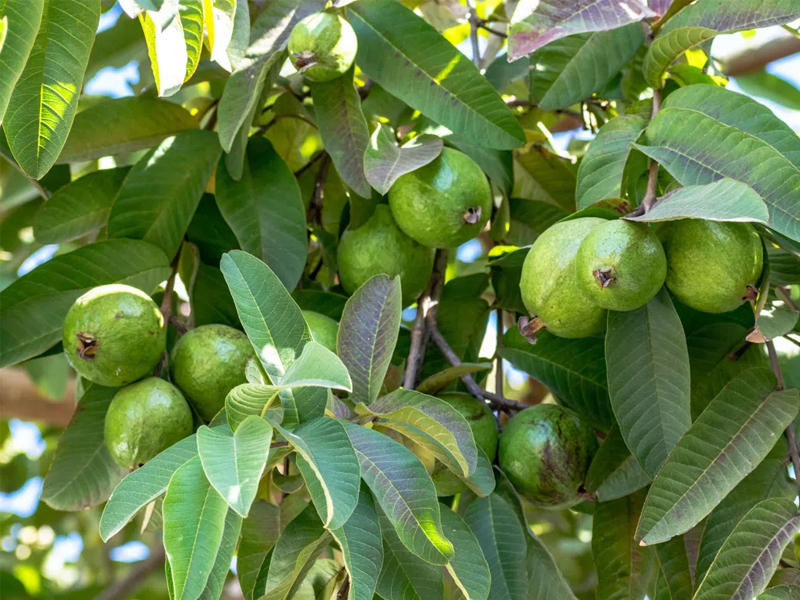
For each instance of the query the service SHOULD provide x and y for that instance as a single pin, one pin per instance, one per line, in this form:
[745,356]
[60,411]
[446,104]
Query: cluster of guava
[115,336]
[581,268]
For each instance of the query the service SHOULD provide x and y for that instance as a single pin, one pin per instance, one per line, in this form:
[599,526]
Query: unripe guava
[621,265]
[379,247]
[545,451]
[549,282]
[324,330]
[323,46]
[484,429]
[713,266]
[144,419]
[443,204]
[114,335]
[207,363]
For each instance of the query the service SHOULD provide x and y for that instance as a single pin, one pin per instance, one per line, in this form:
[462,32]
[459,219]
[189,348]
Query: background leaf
[166,46]
[543,176]
[219,17]
[222,563]
[22,18]
[468,567]
[545,581]
[317,366]
[260,531]
[614,472]
[385,161]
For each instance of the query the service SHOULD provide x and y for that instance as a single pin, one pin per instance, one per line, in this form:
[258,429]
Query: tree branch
[315,206]
[650,196]
[789,433]
[758,58]
[499,375]
[21,400]
[135,578]
[474,23]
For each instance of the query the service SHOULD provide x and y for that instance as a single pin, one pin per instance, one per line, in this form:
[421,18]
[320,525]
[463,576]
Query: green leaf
[166,47]
[648,379]
[468,567]
[745,419]
[44,100]
[234,462]
[83,473]
[329,465]
[260,531]
[404,490]
[750,555]
[575,371]
[781,592]
[700,22]
[433,417]
[21,23]
[222,563]
[573,68]
[603,166]
[271,319]
[614,472]
[250,399]
[144,485]
[545,581]
[219,18]
[368,334]
[502,539]
[337,110]
[162,191]
[317,367]
[540,23]
[413,62]
[298,547]
[124,125]
[133,8]
[757,145]
[240,37]
[191,14]
[770,87]
[774,321]
[623,566]
[529,219]
[265,211]
[723,200]
[33,308]
[385,161]
[674,563]
[436,383]
[79,207]
[543,176]
[194,521]
[360,542]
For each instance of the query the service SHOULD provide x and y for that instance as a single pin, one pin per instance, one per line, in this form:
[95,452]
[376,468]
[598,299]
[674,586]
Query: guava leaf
[240,37]
[673,561]
[502,540]
[158,198]
[45,97]
[468,567]
[543,176]
[614,472]
[123,125]
[133,8]
[534,25]
[250,399]
[545,581]
[83,473]
[265,211]
[222,563]
[404,491]
[723,200]
[22,18]
[166,46]
[79,207]
[436,383]
[33,308]
[219,20]
[344,132]
[602,169]
[648,379]
[260,531]
[368,334]
[770,87]
[234,462]
[750,555]
[385,161]
[144,485]
[412,61]
[745,418]
[194,521]
[317,367]
[329,465]
[528,220]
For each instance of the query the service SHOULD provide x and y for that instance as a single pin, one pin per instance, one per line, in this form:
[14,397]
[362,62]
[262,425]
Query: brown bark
[758,58]
[19,399]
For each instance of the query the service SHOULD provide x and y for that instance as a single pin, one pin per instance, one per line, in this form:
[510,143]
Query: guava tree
[250,264]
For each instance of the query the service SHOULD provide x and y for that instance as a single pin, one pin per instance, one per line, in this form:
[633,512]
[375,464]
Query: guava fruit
[712,266]
[621,265]
[545,451]
[324,330]
[207,363]
[378,246]
[549,283]
[443,204]
[114,335]
[323,46]
[144,419]
[484,428]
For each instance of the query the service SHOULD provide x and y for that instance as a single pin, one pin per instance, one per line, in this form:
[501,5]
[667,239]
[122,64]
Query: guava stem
[529,327]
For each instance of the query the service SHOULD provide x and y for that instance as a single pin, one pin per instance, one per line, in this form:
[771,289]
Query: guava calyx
[605,277]
[87,345]
[528,327]
[750,294]
[304,60]
[473,215]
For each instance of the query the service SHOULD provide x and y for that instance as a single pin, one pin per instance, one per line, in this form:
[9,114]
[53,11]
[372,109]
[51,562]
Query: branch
[789,433]
[135,578]
[315,206]
[428,303]
[474,23]
[785,294]
[166,305]
[758,58]
[499,375]
[649,199]
[21,400]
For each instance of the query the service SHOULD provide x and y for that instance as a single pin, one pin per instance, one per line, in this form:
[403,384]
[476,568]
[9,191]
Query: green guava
[621,265]
[207,363]
[484,429]
[323,46]
[378,246]
[144,419]
[549,282]
[114,335]
[545,451]
[712,266]
[443,204]
[324,330]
